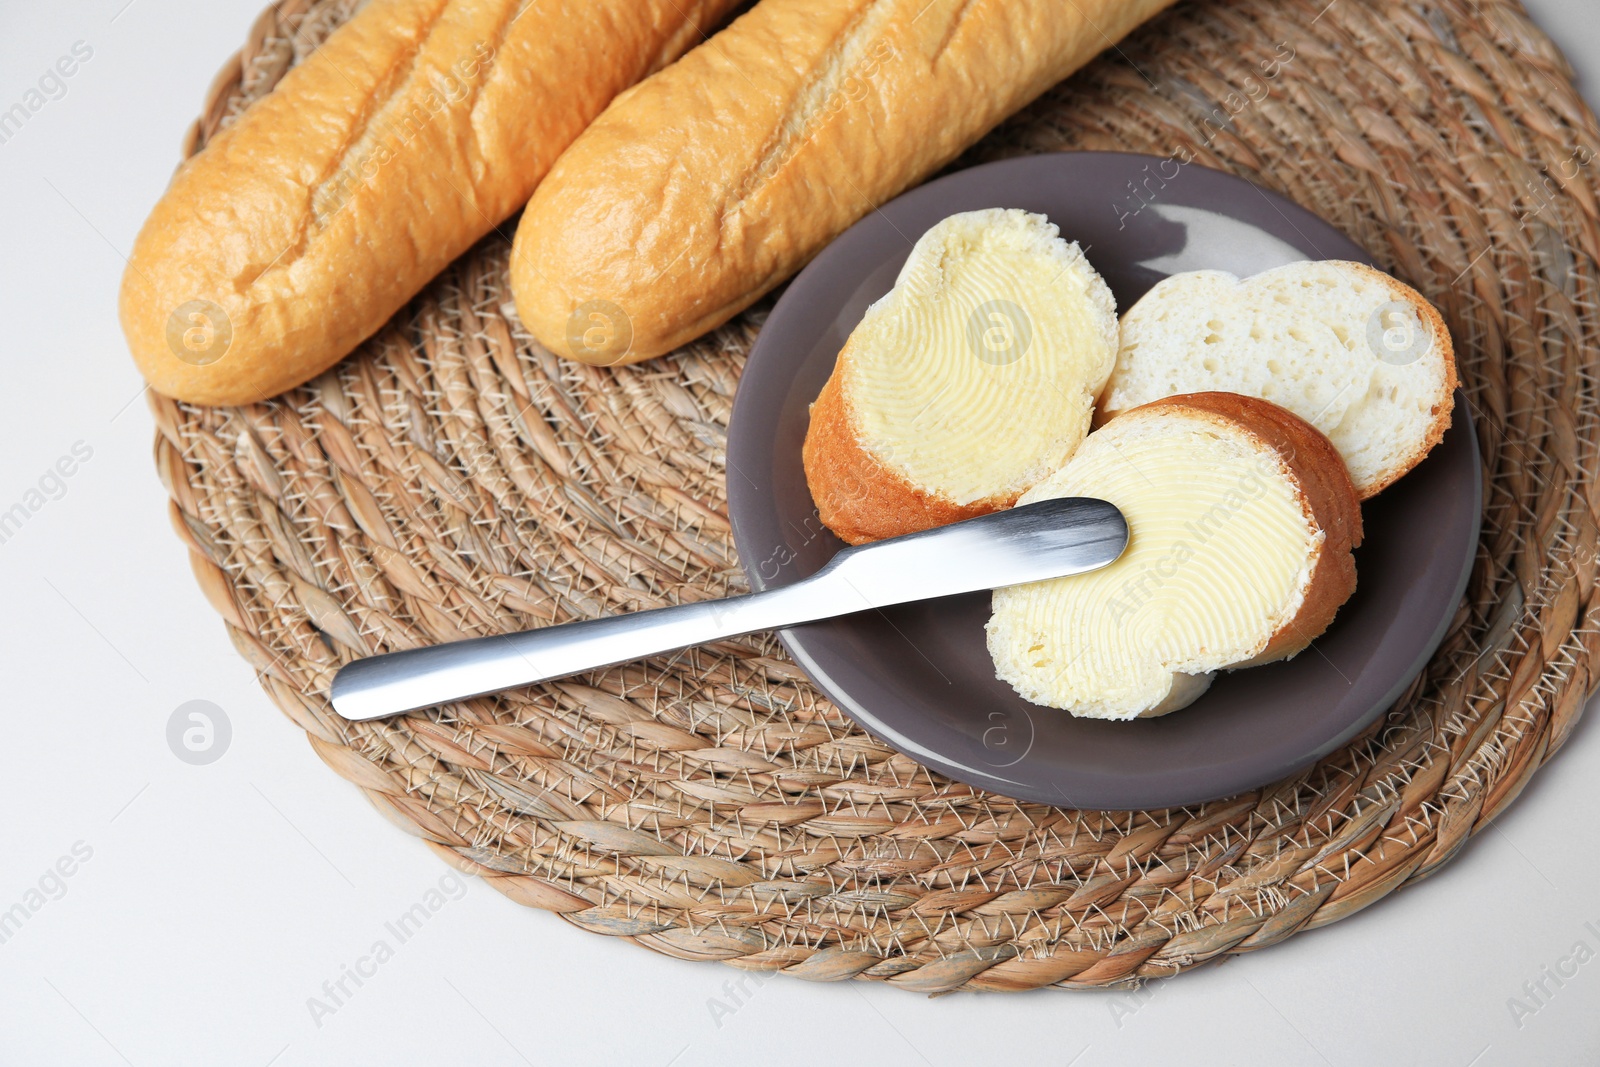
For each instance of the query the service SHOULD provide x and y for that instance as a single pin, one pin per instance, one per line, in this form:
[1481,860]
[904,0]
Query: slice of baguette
[971,380]
[709,184]
[1361,356]
[1242,519]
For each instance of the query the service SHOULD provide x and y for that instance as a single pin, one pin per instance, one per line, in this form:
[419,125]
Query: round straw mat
[454,479]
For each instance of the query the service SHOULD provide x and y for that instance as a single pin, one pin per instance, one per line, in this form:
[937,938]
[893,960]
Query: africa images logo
[999,332]
[199,732]
[199,332]
[599,331]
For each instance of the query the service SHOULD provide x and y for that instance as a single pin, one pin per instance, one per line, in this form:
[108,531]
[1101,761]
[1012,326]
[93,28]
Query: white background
[219,898]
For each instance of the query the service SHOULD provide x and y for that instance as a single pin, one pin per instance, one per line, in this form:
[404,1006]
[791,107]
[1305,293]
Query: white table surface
[215,901]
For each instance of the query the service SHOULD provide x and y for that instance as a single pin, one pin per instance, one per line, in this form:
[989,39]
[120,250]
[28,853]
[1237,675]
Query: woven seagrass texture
[453,479]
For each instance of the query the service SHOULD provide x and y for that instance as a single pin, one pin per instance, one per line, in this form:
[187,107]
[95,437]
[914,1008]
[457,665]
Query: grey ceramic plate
[919,677]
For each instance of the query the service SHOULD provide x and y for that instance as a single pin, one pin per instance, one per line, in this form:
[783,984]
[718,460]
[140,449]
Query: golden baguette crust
[858,497]
[414,130]
[1326,493]
[705,186]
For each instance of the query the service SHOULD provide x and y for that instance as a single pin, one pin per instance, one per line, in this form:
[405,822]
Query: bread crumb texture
[1361,356]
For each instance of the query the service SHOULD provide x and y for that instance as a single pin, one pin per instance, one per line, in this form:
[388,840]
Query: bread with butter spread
[974,378]
[1242,519]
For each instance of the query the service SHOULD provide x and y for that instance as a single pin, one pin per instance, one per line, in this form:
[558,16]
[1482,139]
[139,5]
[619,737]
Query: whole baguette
[410,133]
[707,185]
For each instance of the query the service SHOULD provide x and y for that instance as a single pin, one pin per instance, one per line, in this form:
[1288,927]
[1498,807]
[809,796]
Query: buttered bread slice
[974,378]
[1362,357]
[1242,520]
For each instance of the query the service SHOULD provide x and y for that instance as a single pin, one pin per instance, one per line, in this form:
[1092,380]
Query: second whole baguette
[708,184]
[415,129]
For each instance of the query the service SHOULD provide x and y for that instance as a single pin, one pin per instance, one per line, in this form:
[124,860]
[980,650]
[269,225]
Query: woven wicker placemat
[454,479]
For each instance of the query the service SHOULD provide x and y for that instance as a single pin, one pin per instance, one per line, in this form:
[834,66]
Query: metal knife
[1035,542]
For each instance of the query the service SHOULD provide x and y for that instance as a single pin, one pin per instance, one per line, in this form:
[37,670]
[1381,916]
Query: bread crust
[417,127]
[1444,403]
[1327,496]
[707,185]
[857,496]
